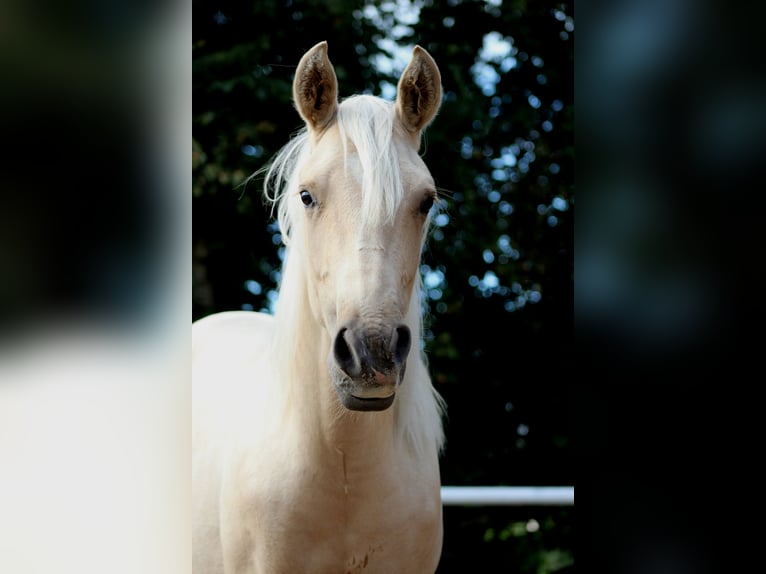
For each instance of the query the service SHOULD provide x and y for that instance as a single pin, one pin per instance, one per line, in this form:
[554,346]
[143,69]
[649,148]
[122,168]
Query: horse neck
[312,408]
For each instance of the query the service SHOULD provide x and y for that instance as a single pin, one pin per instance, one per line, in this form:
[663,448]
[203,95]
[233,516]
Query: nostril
[402,347]
[344,356]
[342,350]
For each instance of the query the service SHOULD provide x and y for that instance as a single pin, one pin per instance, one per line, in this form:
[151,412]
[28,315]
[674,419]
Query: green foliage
[509,540]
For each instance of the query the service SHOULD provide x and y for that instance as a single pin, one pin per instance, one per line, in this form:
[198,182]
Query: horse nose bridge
[377,258]
[365,277]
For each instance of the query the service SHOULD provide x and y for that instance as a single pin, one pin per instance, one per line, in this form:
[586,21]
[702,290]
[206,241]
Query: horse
[317,430]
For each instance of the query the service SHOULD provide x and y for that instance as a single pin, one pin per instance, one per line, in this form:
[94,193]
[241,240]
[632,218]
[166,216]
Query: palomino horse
[314,449]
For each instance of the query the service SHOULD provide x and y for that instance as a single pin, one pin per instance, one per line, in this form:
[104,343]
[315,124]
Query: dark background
[500,261]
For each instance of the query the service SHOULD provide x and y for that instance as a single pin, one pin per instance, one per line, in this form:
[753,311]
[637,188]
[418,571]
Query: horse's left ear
[419,93]
[315,88]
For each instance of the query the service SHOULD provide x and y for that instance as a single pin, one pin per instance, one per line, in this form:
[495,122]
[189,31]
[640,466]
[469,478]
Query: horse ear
[315,88]
[419,93]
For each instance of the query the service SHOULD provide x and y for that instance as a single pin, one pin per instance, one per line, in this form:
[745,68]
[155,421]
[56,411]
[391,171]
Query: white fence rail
[508,495]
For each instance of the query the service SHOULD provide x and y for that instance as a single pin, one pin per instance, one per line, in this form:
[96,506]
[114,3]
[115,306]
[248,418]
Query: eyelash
[427,204]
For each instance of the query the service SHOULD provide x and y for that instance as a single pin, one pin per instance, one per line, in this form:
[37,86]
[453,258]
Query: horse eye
[307,198]
[427,204]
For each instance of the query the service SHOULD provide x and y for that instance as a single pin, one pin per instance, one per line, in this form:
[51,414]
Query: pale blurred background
[95,170]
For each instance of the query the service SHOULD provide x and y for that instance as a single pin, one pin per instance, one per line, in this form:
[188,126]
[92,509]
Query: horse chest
[325,524]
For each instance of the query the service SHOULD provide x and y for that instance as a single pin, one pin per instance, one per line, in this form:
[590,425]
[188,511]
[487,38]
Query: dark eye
[426,205]
[307,198]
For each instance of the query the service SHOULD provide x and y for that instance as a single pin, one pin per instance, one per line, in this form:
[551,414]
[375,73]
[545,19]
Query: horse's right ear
[315,88]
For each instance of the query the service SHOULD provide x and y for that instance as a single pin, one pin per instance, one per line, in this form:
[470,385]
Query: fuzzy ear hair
[315,88]
[419,93]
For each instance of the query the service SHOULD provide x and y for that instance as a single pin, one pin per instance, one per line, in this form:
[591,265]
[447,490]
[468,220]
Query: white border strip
[508,495]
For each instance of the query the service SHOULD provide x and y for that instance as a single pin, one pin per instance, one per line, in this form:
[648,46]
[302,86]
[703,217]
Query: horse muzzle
[369,365]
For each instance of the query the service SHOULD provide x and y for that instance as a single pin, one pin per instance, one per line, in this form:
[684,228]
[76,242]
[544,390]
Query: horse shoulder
[219,331]
[228,350]
[229,360]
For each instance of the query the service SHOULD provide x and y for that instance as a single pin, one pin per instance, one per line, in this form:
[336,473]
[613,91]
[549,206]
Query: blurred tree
[499,264]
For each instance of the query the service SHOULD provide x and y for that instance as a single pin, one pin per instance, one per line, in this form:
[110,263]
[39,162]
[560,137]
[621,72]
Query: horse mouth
[362,395]
[354,403]
[366,381]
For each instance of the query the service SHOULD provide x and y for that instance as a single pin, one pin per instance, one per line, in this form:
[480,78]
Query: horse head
[359,208]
